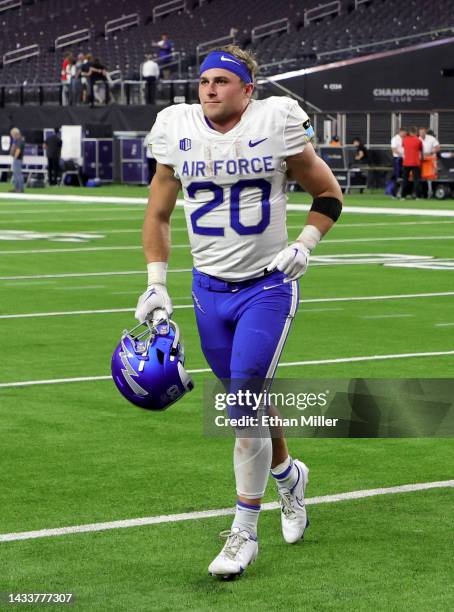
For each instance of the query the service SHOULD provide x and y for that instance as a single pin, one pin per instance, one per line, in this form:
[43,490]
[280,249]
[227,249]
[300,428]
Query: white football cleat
[293,510]
[239,551]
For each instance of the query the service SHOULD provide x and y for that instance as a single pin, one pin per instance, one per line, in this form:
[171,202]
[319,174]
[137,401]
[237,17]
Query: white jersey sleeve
[158,136]
[297,131]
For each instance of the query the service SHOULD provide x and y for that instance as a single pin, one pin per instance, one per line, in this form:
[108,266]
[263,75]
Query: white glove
[292,261]
[154,304]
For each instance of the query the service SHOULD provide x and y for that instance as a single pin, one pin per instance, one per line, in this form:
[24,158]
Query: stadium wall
[409,79]
[121,118]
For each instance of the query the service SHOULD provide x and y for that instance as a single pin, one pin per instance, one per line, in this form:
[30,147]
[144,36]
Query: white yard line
[83,249]
[39,211]
[288,364]
[63,313]
[306,310]
[443,324]
[88,199]
[206,514]
[184,246]
[386,316]
[384,224]
[67,220]
[302,301]
[138,230]
[385,239]
[366,298]
[78,287]
[91,199]
[83,274]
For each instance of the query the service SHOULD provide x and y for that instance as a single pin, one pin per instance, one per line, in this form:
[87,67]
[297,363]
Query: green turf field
[377,301]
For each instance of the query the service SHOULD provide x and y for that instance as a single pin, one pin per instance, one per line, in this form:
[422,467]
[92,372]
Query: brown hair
[244,56]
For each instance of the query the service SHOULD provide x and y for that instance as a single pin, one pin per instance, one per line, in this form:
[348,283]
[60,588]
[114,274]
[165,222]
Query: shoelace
[235,541]
[286,500]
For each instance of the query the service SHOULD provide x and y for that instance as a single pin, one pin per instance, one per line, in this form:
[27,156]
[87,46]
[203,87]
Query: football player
[231,155]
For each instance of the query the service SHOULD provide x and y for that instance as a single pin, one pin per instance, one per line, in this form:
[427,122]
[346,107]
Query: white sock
[285,474]
[246,517]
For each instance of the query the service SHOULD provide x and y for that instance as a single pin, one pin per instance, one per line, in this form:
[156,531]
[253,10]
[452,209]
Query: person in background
[413,151]
[52,147]
[430,145]
[164,54]
[361,153]
[65,77]
[150,74]
[430,150]
[97,73]
[85,75]
[76,79]
[84,72]
[397,151]
[335,142]
[17,153]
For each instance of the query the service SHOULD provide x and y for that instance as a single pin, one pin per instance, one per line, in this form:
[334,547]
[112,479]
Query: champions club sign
[401,95]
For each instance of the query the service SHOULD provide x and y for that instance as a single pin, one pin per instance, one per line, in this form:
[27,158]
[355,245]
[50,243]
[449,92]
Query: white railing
[330,8]
[205,47]
[121,23]
[359,2]
[168,7]
[387,41]
[73,37]
[272,27]
[5,5]
[174,59]
[291,60]
[114,76]
[20,54]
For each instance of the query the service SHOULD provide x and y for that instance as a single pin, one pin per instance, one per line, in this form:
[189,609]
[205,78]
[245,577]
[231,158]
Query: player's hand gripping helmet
[148,366]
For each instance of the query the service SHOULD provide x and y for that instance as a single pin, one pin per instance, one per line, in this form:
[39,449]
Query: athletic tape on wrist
[310,237]
[157,272]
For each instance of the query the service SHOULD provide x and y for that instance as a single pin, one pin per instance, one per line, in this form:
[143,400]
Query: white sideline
[368,210]
[76,274]
[364,298]
[206,514]
[187,245]
[288,364]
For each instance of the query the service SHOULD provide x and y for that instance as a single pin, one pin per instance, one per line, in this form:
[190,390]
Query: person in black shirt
[361,154]
[97,72]
[52,147]
[84,73]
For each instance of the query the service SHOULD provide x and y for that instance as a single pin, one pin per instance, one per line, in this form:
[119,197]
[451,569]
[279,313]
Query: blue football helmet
[148,366]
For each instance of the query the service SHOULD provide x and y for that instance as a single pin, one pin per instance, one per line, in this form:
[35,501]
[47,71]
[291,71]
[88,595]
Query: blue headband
[221,59]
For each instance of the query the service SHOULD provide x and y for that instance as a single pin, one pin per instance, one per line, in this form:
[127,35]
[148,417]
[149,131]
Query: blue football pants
[243,325]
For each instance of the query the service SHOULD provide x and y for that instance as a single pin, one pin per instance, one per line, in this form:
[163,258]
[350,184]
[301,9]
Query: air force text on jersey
[219,167]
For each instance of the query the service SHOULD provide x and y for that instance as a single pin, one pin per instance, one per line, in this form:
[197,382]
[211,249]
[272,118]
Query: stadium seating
[350,34]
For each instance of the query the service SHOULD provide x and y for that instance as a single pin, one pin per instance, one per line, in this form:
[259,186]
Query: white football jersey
[233,183]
